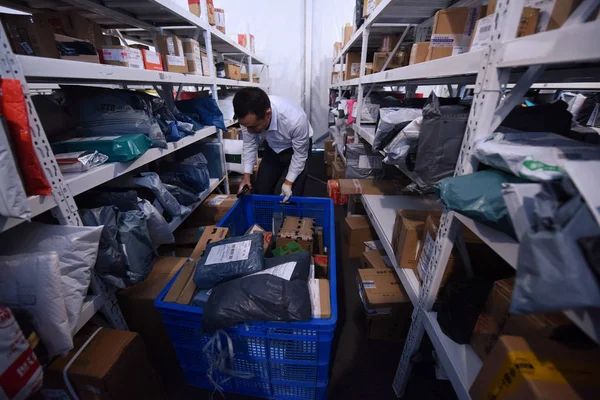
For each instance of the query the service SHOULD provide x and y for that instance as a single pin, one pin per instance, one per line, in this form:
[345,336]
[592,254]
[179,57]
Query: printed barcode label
[26,47]
[485,29]
[215,201]
[229,252]
[369,285]
[152,57]
[283,271]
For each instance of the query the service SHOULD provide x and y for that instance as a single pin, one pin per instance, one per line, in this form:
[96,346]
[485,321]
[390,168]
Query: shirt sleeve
[250,152]
[300,143]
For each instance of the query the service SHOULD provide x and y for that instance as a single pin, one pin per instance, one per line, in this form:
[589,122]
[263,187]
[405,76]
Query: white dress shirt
[289,127]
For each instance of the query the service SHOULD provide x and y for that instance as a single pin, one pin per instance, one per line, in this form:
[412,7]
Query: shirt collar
[273,124]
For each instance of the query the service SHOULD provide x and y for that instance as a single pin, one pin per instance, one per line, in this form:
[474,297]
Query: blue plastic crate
[286,360]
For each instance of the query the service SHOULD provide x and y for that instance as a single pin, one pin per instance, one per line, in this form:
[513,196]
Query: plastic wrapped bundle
[537,156]
[391,121]
[101,111]
[204,110]
[362,163]
[79,161]
[229,259]
[118,148]
[440,139]
[279,293]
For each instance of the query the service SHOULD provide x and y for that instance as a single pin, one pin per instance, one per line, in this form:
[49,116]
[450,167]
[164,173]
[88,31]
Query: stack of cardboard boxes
[340,189]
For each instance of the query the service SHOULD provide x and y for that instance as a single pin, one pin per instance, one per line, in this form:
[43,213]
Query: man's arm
[251,142]
[300,143]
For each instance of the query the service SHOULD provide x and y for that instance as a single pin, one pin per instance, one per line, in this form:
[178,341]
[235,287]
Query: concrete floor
[360,368]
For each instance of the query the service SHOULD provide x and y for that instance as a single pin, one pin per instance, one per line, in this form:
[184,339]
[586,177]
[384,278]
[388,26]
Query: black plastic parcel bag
[229,259]
[279,293]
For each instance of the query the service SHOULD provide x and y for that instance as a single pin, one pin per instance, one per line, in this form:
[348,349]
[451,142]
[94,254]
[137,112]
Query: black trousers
[275,166]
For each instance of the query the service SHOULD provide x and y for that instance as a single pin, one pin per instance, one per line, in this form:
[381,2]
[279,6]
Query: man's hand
[286,190]
[244,182]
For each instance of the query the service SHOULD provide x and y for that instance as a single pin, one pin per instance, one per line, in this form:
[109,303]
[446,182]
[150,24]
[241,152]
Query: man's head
[253,109]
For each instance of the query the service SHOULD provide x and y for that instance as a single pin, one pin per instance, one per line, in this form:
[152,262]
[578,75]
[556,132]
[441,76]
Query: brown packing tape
[182,279]
[185,297]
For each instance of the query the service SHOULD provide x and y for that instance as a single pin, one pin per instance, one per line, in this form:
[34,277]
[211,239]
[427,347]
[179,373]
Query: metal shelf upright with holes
[138,21]
[561,59]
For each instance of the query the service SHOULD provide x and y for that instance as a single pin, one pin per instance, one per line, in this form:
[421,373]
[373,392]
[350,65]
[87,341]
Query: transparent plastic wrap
[32,282]
[229,259]
[279,293]
[362,163]
[204,110]
[537,156]
[552,272]
[389,121]
[479,196]
[137,245]
[102,111]
[77,248]
[440,139]
[79,161]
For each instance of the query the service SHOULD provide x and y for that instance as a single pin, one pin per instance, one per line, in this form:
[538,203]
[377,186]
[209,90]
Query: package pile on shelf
[488,246]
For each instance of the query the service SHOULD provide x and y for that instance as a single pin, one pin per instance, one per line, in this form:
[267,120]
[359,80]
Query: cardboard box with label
[74,49]
[113,365]
[418,53]
[220,19]
[299,230]
[430,230]
[333,192]
[152,60]
[242,40]
[369,186]
[205,64]
[74,25]
[232,71]
[495,320]
[320,301]
[386,303]
[520,368]
[388,43]
[122,56]
[369,6]
[191,51]
[484,28]
[137,306]
[452,30]
[211,211]
[352,65]
[348,30]
[30,36]
[171,49]
[376,259]
[337,170]
[406,236]
[356,231]
[398,60]
[552,13]
[246,77]
[183,289]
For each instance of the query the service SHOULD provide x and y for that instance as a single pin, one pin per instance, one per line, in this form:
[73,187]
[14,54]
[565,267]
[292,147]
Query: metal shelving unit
[136,20]
[563,58]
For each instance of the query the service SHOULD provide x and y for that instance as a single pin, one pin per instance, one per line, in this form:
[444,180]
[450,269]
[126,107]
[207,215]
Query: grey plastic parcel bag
[151,180]
[402,150]
[552,272]
[362,163]
[13,199]
[389,118]
[440,140]
[158,227]
[229,259]
[537,156]
[135,240]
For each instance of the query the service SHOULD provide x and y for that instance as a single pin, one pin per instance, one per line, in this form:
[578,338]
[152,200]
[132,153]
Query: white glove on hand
[286,191]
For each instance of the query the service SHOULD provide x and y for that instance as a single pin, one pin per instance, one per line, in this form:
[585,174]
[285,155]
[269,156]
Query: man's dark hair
[251,100]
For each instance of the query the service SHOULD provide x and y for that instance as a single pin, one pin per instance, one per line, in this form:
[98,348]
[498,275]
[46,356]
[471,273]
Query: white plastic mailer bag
[389,118]
[32,283]
[234,155]
[536,156]
[77,249]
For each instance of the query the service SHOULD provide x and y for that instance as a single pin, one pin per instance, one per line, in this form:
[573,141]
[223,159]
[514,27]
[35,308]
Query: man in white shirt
[286,130]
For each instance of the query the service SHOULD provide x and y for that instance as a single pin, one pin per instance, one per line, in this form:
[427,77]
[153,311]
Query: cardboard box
[122,56]
[211,210]
[152,60]
[171,49]
[246,77]
[369,6]
[330,157]
[418,53]
[406,236]
[318,290]
[194,7]
[552,13]
[495,320]
[137,306]
[175,251]
[430,230]
[329,171]
[375,259]
[452,31]
[525,369]
[233,134]
[484,28]
[242,40]
[338,170]
[348,30]
[74,49]
[299,230]
[74,25]
[329,145]
[357,230]
[30,36]
[400,59]
[369,186]
[205,64]
[333,192]
[352,65]
[113,365]
[210,11]
[211,234]
[319,245]
[368,68]
[321,263]
[232,71]
[528,23]
[220,19]
[191,52]
[337,48]
[388,43]
[335,77]
[267,236]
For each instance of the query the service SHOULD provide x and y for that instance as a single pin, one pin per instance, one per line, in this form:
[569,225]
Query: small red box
[152,60]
